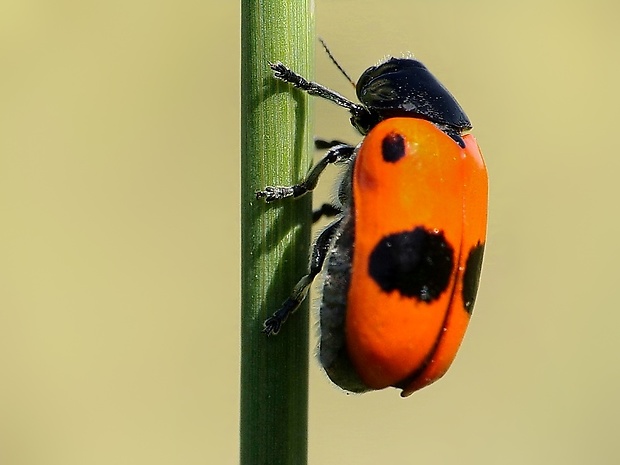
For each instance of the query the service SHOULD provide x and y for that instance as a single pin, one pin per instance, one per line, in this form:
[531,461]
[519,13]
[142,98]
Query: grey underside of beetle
[332,348]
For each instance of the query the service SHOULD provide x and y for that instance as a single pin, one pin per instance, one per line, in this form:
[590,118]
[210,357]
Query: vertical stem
[275,147]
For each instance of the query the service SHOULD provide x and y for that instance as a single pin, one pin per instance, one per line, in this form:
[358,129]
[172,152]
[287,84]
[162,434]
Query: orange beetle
[405,253]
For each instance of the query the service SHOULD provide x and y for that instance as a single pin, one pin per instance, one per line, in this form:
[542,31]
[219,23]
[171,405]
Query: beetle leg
[272,325]
[322,144]
[337,153]
[285,74]
[327,210]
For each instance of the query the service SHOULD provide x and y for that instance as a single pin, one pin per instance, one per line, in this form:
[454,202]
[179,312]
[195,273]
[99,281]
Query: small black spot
[393,147]
[471,277]
[416,263]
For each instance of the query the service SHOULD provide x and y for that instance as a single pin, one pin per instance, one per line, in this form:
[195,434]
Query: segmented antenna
[335,62]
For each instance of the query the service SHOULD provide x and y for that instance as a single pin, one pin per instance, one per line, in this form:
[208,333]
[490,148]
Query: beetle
[404,255]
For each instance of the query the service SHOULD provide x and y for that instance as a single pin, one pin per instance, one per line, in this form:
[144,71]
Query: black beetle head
[405,87]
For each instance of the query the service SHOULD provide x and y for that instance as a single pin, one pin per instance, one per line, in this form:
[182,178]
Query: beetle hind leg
[273,324]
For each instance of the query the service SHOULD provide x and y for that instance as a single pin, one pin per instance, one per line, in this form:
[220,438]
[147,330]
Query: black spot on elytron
[471,276]
[393,147]
[416,263]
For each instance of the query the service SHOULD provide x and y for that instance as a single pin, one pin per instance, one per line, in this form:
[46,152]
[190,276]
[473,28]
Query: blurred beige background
[119,233]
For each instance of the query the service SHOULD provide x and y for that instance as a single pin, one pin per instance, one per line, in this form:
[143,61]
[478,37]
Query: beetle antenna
[329,53]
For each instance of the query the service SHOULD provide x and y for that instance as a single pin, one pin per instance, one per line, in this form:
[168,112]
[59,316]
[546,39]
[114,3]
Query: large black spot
[393,147]
[471,277]
[416,263]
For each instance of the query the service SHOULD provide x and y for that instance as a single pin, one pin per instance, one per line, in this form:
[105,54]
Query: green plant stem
[275,148]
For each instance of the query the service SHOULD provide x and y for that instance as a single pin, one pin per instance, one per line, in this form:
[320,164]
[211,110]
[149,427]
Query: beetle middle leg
[336,154]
